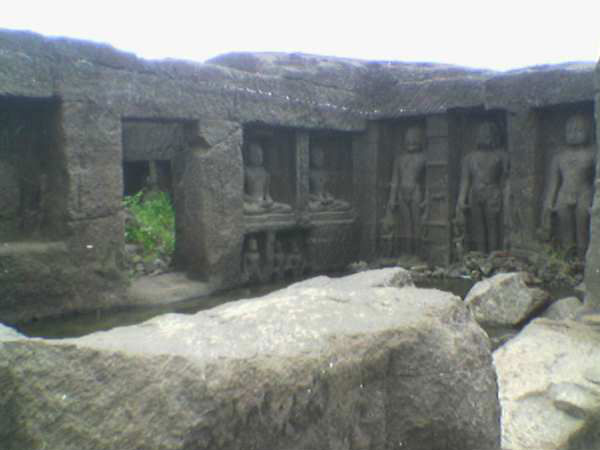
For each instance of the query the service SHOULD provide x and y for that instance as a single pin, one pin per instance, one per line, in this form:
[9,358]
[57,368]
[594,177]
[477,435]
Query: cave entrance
[150,175]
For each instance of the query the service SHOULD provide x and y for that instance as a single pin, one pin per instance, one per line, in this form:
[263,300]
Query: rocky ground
[138,265]
[547,269]
[506,292]
[359,362]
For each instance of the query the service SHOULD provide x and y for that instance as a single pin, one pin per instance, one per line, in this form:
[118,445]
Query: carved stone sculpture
[407,192]
[295,261]
[482,183]
[257,198]
[570,188]
[279,261]
[251,263]
[319,198]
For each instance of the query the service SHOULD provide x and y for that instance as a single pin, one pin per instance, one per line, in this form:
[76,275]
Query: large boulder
[563,309]
[549,381]
[326,364]
[504,300]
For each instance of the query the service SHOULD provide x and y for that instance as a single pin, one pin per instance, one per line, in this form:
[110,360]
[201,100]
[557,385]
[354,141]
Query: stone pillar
[364,156]
[93,154]
[302,169]
[436,239]
[592,266]
[525,183]
[209,196]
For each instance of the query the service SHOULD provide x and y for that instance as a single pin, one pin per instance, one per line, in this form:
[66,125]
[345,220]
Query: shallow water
[85,323]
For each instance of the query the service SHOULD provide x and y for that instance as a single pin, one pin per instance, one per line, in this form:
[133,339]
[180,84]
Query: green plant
[152,224]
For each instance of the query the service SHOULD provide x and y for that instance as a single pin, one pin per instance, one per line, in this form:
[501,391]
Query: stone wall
[118,120]
[592,268]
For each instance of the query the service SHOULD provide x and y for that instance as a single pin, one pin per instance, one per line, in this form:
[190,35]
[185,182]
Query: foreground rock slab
[325,364]
[549,379]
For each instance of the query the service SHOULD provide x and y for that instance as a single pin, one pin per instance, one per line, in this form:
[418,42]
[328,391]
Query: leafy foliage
[152,224]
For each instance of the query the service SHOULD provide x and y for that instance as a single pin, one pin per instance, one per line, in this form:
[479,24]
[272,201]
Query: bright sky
[491,34]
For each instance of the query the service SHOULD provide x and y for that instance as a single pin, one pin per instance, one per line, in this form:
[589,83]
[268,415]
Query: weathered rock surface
[325,364]
[209,205]
[505,300]
[549,382]
[592,266]
[390,277]
[565,308]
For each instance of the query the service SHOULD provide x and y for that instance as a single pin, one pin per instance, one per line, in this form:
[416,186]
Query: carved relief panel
[271,256]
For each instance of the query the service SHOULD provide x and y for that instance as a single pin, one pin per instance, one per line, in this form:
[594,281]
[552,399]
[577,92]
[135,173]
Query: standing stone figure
[257,198]
[570,188]
[407,192]
[319,198]
[482,183]
[251,263]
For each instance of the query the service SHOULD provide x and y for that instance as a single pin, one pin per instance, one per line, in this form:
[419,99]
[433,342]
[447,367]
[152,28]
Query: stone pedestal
[332,241]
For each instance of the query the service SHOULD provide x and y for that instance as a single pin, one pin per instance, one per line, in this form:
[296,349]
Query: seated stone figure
[570,188]
[257,198]
[319,198]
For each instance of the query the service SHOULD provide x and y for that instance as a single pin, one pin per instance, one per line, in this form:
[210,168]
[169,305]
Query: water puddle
[85,323]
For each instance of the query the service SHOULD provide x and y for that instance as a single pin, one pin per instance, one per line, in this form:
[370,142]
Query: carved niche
[274,256]
[332,237]
[33,189]
[566,158]
[402,197]
[269,173]
[330,176]
[481,182]
[154,161]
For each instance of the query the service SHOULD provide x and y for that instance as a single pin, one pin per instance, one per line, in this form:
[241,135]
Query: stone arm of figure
[554,179]
[267,200]
[393,198]
[465,187]
[326,197]
[424,205]
[323,197]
